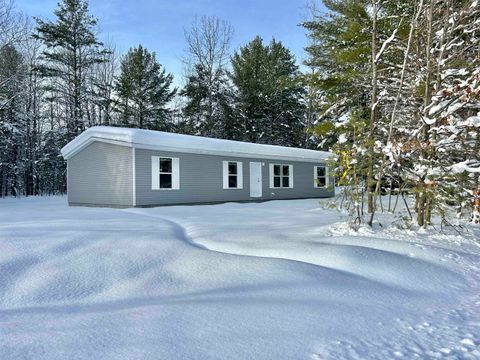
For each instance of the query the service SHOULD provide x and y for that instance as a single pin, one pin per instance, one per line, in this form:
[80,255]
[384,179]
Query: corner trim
[134,178]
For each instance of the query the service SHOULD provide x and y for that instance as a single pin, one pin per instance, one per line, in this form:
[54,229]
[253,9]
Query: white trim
[134,179]
[225,174]
[175,173]
[290,176]
[155,172]
[239,175]
[270,172]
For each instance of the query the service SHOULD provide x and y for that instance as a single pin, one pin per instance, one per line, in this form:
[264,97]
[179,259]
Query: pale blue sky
[158,25]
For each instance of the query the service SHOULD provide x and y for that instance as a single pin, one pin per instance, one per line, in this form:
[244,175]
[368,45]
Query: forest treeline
[392,87]
[57,79]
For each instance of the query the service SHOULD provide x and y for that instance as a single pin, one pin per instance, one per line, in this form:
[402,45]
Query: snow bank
[276,280]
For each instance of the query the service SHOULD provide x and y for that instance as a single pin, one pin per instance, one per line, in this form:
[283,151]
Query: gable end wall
[101,174]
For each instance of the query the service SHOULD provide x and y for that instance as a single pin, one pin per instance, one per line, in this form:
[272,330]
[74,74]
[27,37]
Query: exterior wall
[201,180]
[101,174]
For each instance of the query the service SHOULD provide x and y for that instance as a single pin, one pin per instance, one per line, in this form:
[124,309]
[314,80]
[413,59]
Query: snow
[465,166]
[473,121]
[385,44]
[273,280]
[342,138]
[151,139]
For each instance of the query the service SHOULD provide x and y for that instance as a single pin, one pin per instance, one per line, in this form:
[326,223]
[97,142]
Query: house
[122,167]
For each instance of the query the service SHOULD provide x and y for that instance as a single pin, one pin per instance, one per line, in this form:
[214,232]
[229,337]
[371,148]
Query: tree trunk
[370,178]
[424,134]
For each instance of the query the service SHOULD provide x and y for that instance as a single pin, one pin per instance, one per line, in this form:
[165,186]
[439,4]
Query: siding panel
[101,174]
[201,180]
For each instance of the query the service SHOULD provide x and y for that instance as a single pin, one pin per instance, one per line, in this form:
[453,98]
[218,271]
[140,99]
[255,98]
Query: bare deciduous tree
[208,43]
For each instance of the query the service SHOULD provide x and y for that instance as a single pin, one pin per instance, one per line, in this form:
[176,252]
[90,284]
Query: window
[320,177]
[165,173]
[232,175]
[281,176]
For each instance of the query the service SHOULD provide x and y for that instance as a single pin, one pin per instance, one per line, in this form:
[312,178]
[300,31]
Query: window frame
[160,172]
[227,175]
[156,173]
[316,177]
[281,176]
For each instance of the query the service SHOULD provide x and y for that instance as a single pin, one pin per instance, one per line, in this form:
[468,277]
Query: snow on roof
[158,140]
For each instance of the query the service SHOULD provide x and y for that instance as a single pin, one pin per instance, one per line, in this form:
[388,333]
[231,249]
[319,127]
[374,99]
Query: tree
[33,118]
[13,24]
[12,72]
[207,88]
[399,82]
[144,91]
[103,86]
[269,97]
[71,50]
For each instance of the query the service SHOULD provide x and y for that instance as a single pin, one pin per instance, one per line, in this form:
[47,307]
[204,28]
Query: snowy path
[281,280]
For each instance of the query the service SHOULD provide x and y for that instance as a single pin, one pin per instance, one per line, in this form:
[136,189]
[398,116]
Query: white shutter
[290,176]
[175,173]
[327,177]
[155,172]
[239,175]
[315,181]
[225,174]
[271,175]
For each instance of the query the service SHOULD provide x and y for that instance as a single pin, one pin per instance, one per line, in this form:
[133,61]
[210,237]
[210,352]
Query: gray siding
[201,180]
[101,174]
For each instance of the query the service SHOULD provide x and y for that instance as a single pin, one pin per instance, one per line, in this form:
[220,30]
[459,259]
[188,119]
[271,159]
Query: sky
[159,25]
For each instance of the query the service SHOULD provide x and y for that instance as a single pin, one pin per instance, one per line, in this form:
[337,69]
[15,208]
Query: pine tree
[12,121]
[71,50]
[208,107]
[269,99]
[103,86]
[144,91]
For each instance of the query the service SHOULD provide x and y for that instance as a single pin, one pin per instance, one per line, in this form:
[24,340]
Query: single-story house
[122,167]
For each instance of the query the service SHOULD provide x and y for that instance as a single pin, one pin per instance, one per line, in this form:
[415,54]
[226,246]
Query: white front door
[255,179]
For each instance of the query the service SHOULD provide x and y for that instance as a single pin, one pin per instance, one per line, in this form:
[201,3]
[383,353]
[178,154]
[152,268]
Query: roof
[158,140]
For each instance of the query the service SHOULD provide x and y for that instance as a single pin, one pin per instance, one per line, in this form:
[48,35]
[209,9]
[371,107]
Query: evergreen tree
[208,104]
[269,96]
[12,120]
[144,91]
[71,50]
[52,170]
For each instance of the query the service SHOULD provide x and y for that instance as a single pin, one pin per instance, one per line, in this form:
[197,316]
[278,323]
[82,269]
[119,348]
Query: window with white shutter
[165,173]
[281,176]
[232,175]
[320,177]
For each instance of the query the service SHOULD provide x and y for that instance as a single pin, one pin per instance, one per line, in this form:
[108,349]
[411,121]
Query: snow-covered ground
[274,280]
